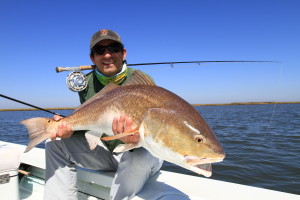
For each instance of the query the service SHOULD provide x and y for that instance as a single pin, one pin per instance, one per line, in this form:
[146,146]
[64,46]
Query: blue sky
[37,36]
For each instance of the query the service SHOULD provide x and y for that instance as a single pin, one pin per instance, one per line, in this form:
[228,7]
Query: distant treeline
[220,104]
[247,103]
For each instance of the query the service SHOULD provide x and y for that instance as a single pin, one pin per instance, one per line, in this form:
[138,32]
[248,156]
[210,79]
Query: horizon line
[214,104]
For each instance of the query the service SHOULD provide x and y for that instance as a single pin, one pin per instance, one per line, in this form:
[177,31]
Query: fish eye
[199,139]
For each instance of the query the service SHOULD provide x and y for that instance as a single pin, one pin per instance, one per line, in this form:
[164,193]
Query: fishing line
[264,135]
[27,104]
[274,106]
[268,123]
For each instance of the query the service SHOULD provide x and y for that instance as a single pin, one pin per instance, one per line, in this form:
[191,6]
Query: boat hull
[96,184]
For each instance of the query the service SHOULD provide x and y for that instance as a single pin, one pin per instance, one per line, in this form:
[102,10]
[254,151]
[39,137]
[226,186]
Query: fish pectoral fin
[92,139]
[121,135]
[126,147]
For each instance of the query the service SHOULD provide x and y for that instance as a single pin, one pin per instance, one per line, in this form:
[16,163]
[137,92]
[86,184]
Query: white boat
[94,185]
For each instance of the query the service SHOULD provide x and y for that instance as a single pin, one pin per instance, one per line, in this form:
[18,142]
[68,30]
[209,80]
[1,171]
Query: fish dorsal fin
[139,78]
[108,87]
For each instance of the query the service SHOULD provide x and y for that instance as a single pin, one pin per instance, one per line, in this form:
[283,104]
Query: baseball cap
[104,34]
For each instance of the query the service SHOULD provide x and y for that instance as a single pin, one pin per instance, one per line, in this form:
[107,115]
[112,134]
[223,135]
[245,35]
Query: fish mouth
[191,160]
[204,169]
[201,165]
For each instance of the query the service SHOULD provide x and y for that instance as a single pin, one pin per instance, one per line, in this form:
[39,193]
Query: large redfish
[169,127]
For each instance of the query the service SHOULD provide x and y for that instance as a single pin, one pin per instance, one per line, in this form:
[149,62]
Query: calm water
[262,142]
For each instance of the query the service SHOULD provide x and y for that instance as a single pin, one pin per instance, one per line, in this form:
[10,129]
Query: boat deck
[163,185]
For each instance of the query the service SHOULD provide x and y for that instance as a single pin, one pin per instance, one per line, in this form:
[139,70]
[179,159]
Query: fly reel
[76,81]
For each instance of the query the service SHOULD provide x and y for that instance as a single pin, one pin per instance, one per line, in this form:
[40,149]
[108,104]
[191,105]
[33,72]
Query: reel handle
[80,68]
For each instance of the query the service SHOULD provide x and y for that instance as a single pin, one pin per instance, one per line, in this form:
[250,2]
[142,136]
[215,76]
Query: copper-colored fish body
[170,128]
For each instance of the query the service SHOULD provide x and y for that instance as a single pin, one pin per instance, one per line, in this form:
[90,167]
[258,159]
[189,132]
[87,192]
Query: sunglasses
[112,48]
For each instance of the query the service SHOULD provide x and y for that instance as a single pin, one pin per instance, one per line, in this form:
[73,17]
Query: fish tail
[37,129]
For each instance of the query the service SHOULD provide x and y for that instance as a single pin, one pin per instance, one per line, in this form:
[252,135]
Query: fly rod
[27,104]
[76,81]
[90,67]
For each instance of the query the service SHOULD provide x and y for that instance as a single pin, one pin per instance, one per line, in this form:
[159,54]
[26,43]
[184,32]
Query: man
[62,156]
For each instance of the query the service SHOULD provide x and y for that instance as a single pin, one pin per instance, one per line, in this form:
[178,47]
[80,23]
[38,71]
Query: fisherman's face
[109,63]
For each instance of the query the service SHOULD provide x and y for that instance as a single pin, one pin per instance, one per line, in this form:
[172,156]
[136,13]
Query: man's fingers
[133,138]
[128,124]
[64,131]
[57,117]
[120,126]
[60,130]
[53,136]
[115,125]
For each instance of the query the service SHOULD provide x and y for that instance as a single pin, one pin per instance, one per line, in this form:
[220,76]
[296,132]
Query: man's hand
[124,124]
[63,131]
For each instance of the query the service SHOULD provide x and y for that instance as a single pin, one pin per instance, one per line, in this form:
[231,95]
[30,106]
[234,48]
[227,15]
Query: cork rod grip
[80,68]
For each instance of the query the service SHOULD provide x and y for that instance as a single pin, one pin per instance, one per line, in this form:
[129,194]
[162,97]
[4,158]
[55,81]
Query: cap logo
[103,32]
